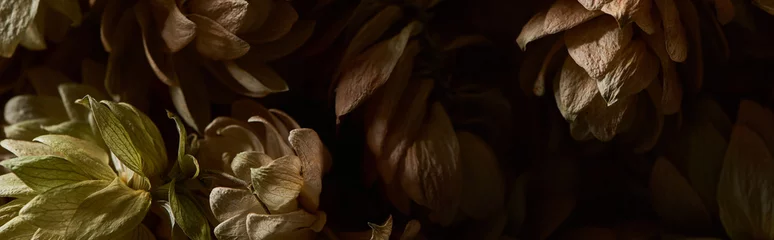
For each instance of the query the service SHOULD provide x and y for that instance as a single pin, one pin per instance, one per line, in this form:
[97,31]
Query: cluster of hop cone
[146,119]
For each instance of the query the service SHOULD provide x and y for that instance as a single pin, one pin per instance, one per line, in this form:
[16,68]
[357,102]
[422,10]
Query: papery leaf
[674,33]
[594,45]
[115,135]
[594,4]
[369,33]
[228,203]
[52,210]
[575,90]
[274,226]
[231,14]
[10,210]
[18,15]
[109,213]
[27,130]
[605,121]
[381,232]
[70,92]
[145,137]
[187,214]
[257,78]
[92,158]
[634,69]
[45,172]
[314,157]
[33,38]
[27,107]
[156,51]
[190,98]
[561,16]
[370,71]
[75,129]
[290,42]
[17,229]
[176,30]
[26,148]
[12,186]
[216,42]
[41,234]
[627,11]
[282,18]
[69,8]
[274,144]
[247,160]
[234,228]
[744,189]
[278,184]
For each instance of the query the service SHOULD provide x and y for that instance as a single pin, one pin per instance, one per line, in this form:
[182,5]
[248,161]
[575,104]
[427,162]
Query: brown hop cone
[184,41]
[265,169]
[31,23]
[416,150]
[617,62]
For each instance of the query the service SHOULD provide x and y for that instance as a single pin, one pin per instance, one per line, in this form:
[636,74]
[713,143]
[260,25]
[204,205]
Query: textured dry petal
[766,5]
[594,4]
[632,71]
[675,200]
[552,61]
[215,42]
[275,144]
[32,38]
[381,232]
[228,202]
[18,15]
[258,13]
[385,101]
[626,11]
[483,190]
[759,119]
[744,189]
[566,14]
[370,32]
[314,156]
[27,107]
[278,184]
[71,9]
[533,30]
[672,89]
[434,177]
[160,61]
[218,149]
[606,121]
[176,30]
[690,18]
[370,71]
[231,14]
[284,46]
[244,161]
[285,119]
[282,18]
[725,11]
[274,226]
[576,90]
[256,77]
[402,133]
[674,33]
[595,44]
[579,130]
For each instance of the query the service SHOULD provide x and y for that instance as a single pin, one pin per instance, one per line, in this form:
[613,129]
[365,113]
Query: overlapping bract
[273,172]
[30,23]
[604,82]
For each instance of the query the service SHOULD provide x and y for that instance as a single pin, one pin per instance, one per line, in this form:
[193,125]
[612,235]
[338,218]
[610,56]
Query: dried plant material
[314,157]
[27,107]
[160,61]
[215,42]
[627,11]
[606,121]
[674,33]
[225,143]
[594,4]
[533,30]
[111,15]
[579,130]
[401,134]
[744,189]
[71,9]
[432,173]
[574,91]
[384,105]
[690,18]
[284,46]
[278,184]
[633,70]
[483,191]
[45,80]
[256,78]
[595,44]
[725,11]
[371,71]
[551,62]
[293,225]
[32,38]
[766,5]
[18,15]
[231,14]
[381,232]
[565,15]
[758,119]
[176,29]
[282,18]
[675,200]
[369,33]
[274,143]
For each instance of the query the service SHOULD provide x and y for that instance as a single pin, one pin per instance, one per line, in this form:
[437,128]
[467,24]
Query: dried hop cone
[617,48]
[417,151]
[30,22]
[270,173]
[233,40]
[84,184]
